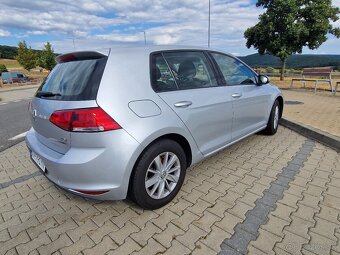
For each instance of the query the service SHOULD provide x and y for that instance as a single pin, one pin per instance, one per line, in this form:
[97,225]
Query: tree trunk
[283,67]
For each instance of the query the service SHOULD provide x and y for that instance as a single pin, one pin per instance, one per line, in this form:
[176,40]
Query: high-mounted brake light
[84,120]
[66,58]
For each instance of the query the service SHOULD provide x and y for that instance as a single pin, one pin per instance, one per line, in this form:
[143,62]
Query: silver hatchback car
[130,121]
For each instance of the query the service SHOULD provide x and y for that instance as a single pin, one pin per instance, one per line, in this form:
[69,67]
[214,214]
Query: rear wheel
[158,174]
[273,122]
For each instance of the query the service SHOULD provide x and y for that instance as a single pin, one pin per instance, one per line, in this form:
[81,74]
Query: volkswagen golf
[130,121]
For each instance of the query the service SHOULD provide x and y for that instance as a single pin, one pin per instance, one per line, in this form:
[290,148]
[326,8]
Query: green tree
[289,25]
[270,69]
[3,68]
[26,56]
[47,57]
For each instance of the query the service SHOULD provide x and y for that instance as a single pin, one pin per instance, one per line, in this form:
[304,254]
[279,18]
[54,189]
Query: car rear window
[74,80]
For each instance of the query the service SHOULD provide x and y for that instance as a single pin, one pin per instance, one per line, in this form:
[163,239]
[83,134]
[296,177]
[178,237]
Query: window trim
[235,58]
[209,62]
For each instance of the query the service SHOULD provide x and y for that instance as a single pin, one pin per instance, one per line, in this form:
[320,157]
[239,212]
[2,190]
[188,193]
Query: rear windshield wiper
[47,94]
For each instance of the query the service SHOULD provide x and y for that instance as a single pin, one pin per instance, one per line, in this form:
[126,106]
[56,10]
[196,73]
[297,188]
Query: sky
[98,24]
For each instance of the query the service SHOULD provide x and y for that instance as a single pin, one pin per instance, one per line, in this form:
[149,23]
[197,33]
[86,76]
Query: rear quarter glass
[74,80]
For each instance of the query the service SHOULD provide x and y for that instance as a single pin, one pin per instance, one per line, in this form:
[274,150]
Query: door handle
[236,95]
[183,104]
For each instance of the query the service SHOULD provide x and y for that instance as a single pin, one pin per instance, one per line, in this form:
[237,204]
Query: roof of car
[142,49]
[152,48]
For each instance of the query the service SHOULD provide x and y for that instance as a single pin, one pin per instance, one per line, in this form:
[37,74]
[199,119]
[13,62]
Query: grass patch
[10,63]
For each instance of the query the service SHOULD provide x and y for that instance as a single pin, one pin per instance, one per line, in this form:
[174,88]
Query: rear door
[186,81]
[249,100]
[72,84]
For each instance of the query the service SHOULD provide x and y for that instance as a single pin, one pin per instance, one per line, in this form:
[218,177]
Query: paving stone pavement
[220,197]
[320,111]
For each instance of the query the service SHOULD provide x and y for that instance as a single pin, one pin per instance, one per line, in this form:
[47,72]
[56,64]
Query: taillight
[84,120]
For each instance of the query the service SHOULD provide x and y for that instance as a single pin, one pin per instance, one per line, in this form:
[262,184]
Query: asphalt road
[14,118]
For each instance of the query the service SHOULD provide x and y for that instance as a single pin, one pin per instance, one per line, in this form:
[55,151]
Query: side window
[234,72]
[161,78]
[191,70]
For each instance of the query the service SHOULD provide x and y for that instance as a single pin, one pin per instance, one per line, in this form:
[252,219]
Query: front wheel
[273,122]
[158,174]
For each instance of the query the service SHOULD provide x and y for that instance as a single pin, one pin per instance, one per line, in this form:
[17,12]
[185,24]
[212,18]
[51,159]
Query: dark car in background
[14,77]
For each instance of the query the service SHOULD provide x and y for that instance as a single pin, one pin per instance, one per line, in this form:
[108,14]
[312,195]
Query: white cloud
[4,33]
[103,23]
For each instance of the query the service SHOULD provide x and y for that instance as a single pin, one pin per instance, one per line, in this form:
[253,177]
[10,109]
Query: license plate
[38,161]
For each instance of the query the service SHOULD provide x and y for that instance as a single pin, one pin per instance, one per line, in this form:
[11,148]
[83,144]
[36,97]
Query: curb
[22,88]
[12,144]
[313,133]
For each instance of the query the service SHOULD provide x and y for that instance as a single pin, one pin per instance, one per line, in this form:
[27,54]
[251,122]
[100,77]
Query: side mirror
[263,79]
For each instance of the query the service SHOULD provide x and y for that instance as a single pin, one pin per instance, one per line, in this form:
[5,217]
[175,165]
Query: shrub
[3,68]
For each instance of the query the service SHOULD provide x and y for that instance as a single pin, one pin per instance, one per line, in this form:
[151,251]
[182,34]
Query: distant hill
[10,52]
[254,60]
[293,62]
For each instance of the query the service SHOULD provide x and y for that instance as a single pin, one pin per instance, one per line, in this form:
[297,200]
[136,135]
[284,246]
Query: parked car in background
[130,122]
[14,77]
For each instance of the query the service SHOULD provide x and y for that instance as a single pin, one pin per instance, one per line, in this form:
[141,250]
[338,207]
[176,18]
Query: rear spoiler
[80,55]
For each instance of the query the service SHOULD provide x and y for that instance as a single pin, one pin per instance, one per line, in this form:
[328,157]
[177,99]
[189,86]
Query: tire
[274,117]
[148,180]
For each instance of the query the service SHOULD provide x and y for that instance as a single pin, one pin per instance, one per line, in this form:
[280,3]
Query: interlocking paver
[177,248]
[228,222]
[16,229]
[217,195]
[145,234]
[299,227]
[33,232]
[98,234]
[68,225]
[30,246]
[215,238]
[206,221]
[14,242]
[275,225]
[83,243]
[318,111]
[102,247]
[190,237]
[120,235]
[127,248]
[326,228]
[319,245]
[265,241]
[77,233]
[185,220]
[170,233]
[151,248]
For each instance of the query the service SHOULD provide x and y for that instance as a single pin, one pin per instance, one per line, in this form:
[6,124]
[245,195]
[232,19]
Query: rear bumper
[106,167]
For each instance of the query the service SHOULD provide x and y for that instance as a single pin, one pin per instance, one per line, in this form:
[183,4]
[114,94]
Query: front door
[249,99]
[187,83]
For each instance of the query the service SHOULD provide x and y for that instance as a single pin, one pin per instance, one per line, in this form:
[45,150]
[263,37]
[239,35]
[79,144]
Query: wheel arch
[181,140]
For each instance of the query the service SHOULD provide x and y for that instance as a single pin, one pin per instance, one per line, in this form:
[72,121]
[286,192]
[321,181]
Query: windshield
[74,81]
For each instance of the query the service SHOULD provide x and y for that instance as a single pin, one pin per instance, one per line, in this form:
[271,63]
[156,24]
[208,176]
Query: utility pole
[74,45]
[209,27]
